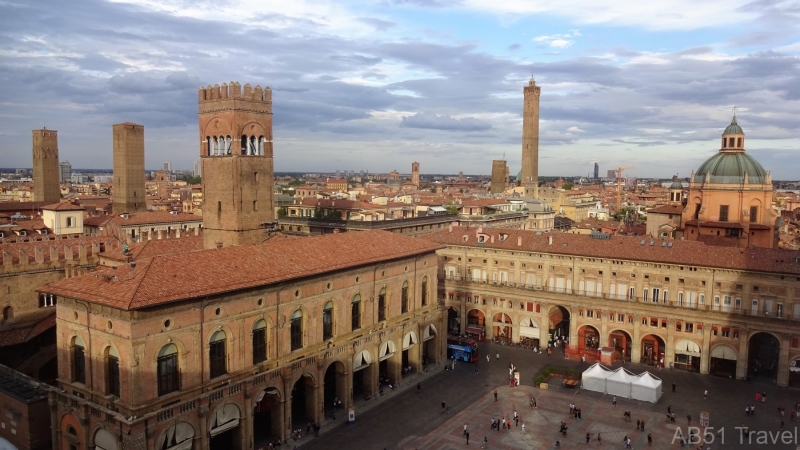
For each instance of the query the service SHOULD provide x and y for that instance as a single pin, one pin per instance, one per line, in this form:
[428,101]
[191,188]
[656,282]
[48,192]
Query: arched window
[259,341]
[168,371]
[208,145]
[216,355]
[261,145]
[424,297]
[112,372]
[297,330]
[327,321]
[382,305]
[227,149]
[356,312]
[244,144]
[8,313]
[78,360]
[404,298]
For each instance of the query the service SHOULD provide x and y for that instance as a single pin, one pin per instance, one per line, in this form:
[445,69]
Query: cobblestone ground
[411,420]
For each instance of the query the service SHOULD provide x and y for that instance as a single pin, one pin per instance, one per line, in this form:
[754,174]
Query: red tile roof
[629,248]
[64,206]
[149,217]
[155,247]
[666,209]
[169,278]
[20,335]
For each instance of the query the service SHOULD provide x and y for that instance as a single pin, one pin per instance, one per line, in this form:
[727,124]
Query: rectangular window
[656,292]
[754,214]
[723,213]
[259,345]
[70,222]
[78,364]
[689,327]
[356,315]
[167,374]
[779,310]
[424,297]
[112,381]
[404,299]
[621,318]
[726,332]
[645,294]
[216,354]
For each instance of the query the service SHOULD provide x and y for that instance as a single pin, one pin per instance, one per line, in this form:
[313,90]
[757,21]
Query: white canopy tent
[723,352]
[594,378]
[619,383]
[646,387]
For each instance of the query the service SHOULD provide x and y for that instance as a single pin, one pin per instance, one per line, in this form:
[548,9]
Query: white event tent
[646,387]
[594,378]
[619,383]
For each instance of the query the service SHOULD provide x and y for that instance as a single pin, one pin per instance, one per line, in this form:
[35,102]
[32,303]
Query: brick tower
[236,155]
[46,170]
[415,173]
[499,176]
[530,139]
[128,186]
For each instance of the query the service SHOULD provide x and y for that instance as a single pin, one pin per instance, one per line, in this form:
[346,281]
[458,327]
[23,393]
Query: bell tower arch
[237,166]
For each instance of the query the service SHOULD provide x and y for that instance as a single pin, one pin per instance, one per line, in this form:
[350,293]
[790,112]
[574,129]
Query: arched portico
[224,427]
[763,355]
[529,331]
[268,416]
[622,343]
[411,353]
[303,401]
[453,321]
[794,372]
[476,325]
[429,344]
[723,361]
[687,355]
[335,387]
[588,339]
[502,327]
[364,372]
[178,435]
[559,319]
[653,349]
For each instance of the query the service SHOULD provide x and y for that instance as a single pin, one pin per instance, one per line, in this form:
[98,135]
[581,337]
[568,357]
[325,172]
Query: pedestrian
[628,443]
[672,418]
[637,423]
[705,394]
[497,356]
[516,418]
[495,395]
[419,388]
[588,437]
[669,409]
[599,439]
[614,401]
[485,442]
[467,438]
[444,406]
[649,439]
[531,402]
[523,428]
[534,402]
[492,423]
[476,368]
[643,425]
[673,387]
[625,442]
[487,358]
[579,414]
[689,418]
[465,430]
[781,424]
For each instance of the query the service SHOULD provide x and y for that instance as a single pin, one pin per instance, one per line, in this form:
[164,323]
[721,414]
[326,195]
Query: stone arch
[723,351]
[71,431]
[224,418]
[156,352]
[410,340]
[255,129]
[274,387]
[622,343]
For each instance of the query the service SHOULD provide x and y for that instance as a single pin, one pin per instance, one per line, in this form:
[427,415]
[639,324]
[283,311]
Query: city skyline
[383,84]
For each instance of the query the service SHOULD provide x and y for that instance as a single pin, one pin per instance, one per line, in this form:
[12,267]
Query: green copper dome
[676,186]
[730,167]
[733,128]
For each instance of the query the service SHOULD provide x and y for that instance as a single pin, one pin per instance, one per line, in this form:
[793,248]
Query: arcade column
[783,361]
[636,345]
[705,354]
[573,328]
[741,357]
[669,352]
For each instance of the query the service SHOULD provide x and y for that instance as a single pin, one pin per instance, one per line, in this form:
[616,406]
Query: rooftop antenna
[735,110]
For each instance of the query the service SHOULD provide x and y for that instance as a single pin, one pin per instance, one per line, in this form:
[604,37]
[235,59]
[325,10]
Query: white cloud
[558,40]
[574,129]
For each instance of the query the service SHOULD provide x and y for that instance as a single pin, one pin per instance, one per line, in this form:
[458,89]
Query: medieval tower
[530,139]
[46,170]
[129,192]
[499,176]
[415,173]
[236,155]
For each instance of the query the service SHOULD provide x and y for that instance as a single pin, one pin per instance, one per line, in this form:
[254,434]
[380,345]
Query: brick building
[23,409]
[46,170]
[129,189]
[720,310]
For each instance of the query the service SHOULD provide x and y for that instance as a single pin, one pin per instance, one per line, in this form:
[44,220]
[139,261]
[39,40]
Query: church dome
[676,186]
[733,128]
[727,167]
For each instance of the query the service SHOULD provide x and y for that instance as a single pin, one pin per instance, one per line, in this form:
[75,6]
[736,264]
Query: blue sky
[377,84]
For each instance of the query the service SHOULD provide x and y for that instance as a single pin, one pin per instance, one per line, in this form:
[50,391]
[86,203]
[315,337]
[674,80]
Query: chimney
[519,241]
[491,239]
[549,240]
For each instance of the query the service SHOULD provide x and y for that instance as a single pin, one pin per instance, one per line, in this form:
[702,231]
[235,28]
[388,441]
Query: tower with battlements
[236,154]
[530,138]
[46,170]
[128,187]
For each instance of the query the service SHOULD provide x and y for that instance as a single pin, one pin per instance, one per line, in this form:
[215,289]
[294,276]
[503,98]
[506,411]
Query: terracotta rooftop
[64,206]
[628,248]
[150,248]
[666,209]
[28,332]
[168,278]
[150,217]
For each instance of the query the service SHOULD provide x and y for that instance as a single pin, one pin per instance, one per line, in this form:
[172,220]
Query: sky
[377,84]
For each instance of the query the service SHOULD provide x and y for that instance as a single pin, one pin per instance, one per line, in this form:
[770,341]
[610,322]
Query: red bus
[462,348]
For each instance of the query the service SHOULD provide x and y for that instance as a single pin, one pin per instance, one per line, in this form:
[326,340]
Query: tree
[568,186]
[194,180]
[451,209]
[296,183]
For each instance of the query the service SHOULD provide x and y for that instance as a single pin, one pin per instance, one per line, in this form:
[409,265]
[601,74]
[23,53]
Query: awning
[226,418]
[361,360]
[429,333]
[103,440]
[687,347]
[529,328]
[387,350]
[409,340]
[723,352]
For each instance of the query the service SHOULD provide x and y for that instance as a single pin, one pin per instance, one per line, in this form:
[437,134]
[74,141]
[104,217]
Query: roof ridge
[149,264]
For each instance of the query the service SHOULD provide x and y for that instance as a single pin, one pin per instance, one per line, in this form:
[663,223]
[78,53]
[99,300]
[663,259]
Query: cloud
[558,40]
[378,24]
[443,122]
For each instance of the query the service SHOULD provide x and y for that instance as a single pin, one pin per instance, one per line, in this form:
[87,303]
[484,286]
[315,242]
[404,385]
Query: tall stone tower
[530,139]
[128,190]
[236,156]
[499,176]
[415,173]
[46,170]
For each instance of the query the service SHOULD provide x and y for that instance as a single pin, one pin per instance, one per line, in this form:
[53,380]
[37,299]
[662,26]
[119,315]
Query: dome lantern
[733,137]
